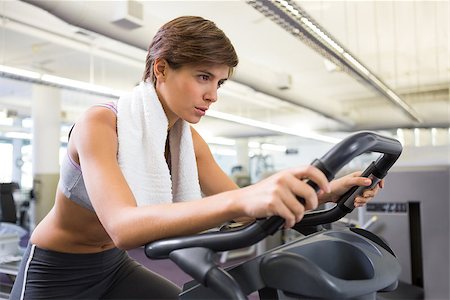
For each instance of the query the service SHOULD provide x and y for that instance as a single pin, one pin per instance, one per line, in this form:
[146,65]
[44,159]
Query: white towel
[142,131]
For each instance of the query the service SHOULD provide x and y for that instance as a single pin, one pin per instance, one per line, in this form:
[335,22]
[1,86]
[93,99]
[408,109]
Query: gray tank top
[71,181]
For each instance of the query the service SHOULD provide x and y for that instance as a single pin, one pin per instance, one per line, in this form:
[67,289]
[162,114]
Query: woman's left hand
[341,185]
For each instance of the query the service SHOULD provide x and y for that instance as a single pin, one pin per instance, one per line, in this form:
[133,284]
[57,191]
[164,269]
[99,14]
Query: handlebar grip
[347,200]
[349,197]
[319,165]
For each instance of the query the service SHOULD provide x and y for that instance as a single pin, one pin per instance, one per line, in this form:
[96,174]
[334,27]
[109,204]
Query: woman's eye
[204,77]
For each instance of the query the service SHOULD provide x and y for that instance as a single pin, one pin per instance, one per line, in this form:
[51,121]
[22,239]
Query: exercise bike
[332,264]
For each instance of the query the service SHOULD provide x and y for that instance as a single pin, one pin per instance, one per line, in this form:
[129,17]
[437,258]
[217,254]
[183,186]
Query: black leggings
[112,274]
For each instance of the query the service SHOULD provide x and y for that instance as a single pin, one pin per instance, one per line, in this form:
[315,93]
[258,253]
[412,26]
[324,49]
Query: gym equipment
[413,217]
[7,205]
[347,264]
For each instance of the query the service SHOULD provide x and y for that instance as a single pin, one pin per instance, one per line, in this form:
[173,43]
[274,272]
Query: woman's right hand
[276,195]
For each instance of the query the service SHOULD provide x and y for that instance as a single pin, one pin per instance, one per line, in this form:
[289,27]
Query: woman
[131,167]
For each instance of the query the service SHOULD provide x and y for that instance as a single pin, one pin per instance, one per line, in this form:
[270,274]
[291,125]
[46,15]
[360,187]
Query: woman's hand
[341,185]
[276,195]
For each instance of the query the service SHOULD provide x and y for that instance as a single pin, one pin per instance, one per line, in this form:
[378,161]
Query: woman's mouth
[201,110]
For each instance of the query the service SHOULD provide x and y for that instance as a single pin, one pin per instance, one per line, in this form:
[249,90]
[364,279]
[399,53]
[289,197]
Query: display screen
[387,207]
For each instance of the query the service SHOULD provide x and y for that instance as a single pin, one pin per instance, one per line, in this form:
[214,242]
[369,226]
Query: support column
[242,154]
[242,177]
[46,116]
[17,161]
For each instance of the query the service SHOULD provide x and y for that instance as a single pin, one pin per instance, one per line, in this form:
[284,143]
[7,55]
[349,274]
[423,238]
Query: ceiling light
[267,146]
[80,85]
[217,140]
[3,114]
[27,123]
[271,127]
[401,136]
[66,83]
[272,147]
[296,21]
[417,141]
[18,135]
[253,144]
[12,72]
[60,82]
[222,151]
[433,136]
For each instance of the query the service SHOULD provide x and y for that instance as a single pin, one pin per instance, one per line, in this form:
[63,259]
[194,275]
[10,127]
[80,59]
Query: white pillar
[46,116]
[242,178]
[408,137]
[440,136]
[242,154]
[17,161]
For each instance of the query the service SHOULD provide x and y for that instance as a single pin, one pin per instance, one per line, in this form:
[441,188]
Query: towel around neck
[142,133]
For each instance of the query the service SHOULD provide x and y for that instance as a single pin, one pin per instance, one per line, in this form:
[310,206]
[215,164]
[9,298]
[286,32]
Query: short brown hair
[189,40]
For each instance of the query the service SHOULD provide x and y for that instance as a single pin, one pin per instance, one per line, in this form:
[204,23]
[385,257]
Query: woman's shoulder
[99,114]
[96,122]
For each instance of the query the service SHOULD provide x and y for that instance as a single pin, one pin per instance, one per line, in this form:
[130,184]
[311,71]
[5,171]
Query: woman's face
[189,91]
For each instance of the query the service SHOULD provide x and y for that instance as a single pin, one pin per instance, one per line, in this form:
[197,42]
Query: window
[6,154]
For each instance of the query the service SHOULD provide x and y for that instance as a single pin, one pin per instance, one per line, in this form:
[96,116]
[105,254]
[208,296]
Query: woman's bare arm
[130,226]
[95,139]
[213,179]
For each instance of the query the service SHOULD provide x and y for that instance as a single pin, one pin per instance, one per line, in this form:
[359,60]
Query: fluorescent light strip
[84,86]
[356,63]
[322,35]
[271,127]
[18,135]
[80,85]
[433,136]
[280,10]
[273,147]
[217,140]
[19,72]
[251,144]
[224,152]
[401,136]
[311,26]
[266,146]
[57,81]
[416,137]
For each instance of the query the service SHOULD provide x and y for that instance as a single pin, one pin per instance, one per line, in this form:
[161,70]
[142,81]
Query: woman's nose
[211,95]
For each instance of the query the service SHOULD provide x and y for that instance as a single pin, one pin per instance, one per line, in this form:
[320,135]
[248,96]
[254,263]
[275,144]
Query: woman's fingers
[366,196]
[296,208]
[314,174]
[291,185]
[359,181]
[289,214]
[281,192]
[302,189]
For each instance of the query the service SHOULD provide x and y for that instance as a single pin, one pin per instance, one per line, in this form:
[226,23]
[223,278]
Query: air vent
[128,14]
[135,9]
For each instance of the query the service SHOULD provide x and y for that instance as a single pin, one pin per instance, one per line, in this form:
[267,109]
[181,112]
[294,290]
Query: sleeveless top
[71,181]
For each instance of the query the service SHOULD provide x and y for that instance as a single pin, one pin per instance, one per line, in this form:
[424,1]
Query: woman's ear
[160,69]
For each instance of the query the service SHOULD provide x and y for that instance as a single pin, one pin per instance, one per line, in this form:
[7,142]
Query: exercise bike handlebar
[329,164]
[338,157]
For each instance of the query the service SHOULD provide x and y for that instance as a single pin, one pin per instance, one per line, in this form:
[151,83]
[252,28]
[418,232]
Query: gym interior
[311,74]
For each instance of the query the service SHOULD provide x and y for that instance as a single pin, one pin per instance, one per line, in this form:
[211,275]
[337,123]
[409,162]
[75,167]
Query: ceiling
[404,43]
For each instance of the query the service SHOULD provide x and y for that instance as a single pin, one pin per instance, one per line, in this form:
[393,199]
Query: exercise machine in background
[413,217]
